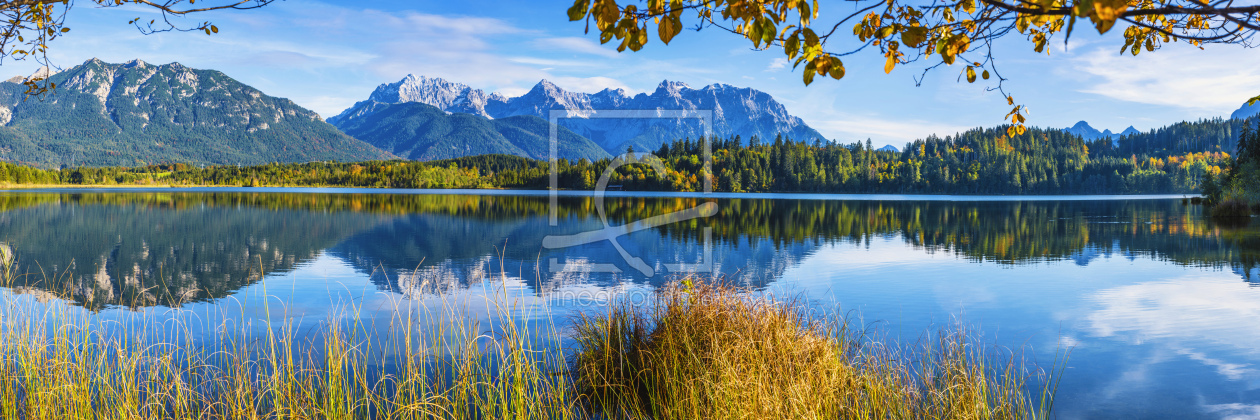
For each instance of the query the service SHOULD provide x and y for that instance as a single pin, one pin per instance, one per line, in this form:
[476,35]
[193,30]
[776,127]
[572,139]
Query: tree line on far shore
[980,161]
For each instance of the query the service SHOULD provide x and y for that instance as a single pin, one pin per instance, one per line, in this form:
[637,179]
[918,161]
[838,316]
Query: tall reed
[60,362]
[700,351]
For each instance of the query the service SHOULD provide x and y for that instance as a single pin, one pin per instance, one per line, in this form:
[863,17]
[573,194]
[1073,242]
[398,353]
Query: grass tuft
[706,351]
[1231,207]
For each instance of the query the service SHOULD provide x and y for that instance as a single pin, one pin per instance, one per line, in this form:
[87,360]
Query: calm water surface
[1160,306]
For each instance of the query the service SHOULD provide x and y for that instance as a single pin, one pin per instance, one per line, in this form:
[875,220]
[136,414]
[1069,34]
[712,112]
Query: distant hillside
[1246,111]
[736,111]
[423,132]
[1085,131]
[137,113]
[1208,135]
[1127,132]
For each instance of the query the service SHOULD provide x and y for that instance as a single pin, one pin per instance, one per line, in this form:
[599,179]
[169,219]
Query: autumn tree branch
[30,25]
[904,31]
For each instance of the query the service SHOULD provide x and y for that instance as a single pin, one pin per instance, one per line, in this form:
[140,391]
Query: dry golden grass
[702,351]
[706,351]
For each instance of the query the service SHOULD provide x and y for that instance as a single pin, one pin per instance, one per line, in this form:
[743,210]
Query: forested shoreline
[980,161]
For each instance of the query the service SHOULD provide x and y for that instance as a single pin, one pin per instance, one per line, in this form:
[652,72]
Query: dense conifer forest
[1175,159]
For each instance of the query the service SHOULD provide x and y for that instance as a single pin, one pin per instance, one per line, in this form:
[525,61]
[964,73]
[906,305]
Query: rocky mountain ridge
[137,113]
[674,110]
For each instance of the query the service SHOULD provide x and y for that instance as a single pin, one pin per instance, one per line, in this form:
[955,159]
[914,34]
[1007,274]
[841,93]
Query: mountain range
[136,113]
[420,131]
[612,118]
[1087,132]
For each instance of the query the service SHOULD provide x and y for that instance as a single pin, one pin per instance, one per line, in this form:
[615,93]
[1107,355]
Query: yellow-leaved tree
[30,25]
[941,32]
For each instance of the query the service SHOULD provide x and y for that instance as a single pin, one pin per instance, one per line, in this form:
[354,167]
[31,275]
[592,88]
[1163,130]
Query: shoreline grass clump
[707,351]
[1231,207]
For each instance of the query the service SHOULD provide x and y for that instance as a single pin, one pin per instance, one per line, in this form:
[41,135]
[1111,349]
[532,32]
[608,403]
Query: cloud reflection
[1196,317]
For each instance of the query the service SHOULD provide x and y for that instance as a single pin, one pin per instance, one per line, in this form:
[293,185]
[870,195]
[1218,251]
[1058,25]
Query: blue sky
[326,55]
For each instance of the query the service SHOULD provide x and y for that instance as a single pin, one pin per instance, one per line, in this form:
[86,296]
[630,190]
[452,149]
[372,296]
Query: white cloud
[590,84]
[454,47]
[847,128]
[512,92]
[552,62]
[1216,79]
[334,104]
[777,64]
[576,44]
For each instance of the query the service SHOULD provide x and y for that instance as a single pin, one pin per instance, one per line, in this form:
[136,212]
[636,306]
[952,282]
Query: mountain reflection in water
[140,249]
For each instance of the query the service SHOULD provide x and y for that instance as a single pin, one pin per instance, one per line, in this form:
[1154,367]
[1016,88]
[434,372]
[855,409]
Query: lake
[1159,305]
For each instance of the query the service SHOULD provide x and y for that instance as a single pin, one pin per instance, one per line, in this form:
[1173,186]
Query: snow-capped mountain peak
[669,87]
[546,86]
[736,111]
[435,91]
[547,91]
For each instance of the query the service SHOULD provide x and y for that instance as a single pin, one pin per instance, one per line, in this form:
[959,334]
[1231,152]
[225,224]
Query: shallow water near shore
[1159,305]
